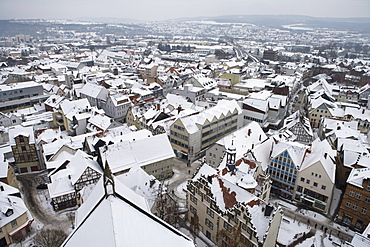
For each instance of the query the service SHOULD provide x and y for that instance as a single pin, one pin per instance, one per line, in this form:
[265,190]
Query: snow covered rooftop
[123,155]
[122,221]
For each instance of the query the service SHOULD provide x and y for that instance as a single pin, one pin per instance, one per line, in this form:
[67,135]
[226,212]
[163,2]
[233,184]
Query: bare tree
[194,226]
[50,237]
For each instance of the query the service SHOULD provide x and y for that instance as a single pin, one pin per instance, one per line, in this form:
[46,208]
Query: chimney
[325,155]
[363,111]
[249,132]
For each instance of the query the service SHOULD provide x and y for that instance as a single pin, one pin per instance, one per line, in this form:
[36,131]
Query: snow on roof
[298,118]
[60,184]
[21,131]
[358,114]
[79,162]
[18,85]
[321,152]
[92,90]
[49,135]
[54,100]
[123,221]
[59,160]
[223,107]
[76,106]
[227,195]
[120,99]
[296,151]
[244,138]
[11,202]
[4,165]
[141,183]
[317,102]
[123,155]
[334,123]
[258,100]
[262,153]
[357,177]
[101,121]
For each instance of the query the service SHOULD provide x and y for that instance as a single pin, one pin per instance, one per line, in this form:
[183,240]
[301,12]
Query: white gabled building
[316,177]
[115,216]
[153,153]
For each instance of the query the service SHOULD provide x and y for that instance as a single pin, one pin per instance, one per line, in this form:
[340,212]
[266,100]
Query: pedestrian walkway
[325,227]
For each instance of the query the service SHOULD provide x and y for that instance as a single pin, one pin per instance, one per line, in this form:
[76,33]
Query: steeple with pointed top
[108,182]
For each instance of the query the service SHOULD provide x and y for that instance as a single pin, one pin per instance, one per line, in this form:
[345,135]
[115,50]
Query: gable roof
[121,222]
[123,155]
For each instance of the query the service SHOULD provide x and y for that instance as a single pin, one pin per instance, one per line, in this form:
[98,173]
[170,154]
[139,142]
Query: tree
[194,226]
[50,237]
[232,238]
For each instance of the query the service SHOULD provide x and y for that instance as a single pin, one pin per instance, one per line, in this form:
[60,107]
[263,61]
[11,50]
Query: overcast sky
[155,10]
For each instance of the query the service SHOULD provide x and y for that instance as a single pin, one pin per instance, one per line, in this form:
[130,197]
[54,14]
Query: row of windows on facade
[355,206]
[253,119]
[220,121]
[15,92]
[315,184]
[178,135]
[358,195]
[220,127]
[219,135]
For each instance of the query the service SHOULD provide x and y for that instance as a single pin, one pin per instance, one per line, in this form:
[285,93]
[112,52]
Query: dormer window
[9,212]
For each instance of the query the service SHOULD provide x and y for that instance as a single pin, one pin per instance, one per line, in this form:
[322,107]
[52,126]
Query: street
[38,202]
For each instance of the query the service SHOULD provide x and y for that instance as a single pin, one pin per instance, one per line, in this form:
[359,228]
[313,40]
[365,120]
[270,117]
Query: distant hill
[277,21]
[109,20]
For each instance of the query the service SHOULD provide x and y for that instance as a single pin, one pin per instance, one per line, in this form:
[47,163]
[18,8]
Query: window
[244,226]
[302,179]
[193,199]
[208,234]
[209,224]
[227,226]
[315,184]
[323,187]
[348,204]
[358,195]
[368,188]
[193,210]
[367,199]
[210,212]
[14,223]
[307,181]
[363,210]
[351,193]
[355,206]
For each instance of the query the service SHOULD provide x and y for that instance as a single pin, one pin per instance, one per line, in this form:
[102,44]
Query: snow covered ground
[291,230]
[180,190]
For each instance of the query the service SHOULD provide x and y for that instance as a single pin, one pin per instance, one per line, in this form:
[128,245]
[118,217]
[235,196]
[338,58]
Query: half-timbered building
[22,142]
[74,174]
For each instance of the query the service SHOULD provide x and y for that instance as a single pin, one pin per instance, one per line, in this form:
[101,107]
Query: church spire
[109,187]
